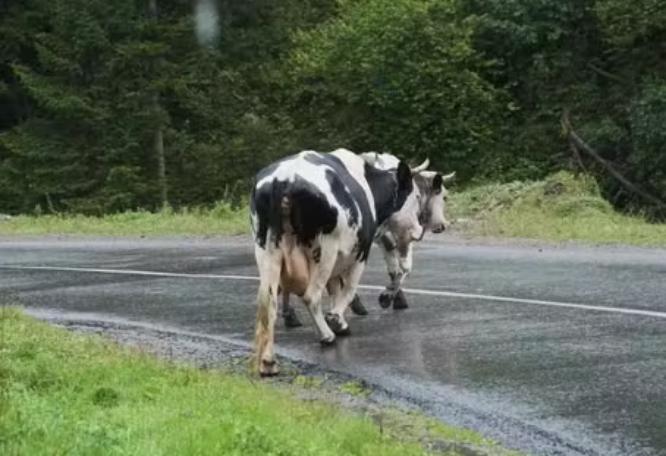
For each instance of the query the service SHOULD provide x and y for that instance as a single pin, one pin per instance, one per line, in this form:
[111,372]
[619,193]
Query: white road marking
[132,272]
[415,291]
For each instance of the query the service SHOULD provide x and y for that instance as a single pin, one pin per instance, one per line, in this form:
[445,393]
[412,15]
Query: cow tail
[271,264]
[267,302]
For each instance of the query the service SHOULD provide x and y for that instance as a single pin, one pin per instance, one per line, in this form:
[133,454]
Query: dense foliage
[87,87]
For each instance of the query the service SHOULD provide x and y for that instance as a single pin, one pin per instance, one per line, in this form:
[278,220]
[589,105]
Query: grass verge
[66,393]
[562,207]
[221,219]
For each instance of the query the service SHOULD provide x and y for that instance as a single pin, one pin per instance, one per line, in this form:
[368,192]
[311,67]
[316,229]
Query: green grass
[562,207]
[354,388]
[64,393]
[222,219]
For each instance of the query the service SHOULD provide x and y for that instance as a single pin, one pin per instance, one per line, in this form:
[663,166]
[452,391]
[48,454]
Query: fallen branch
[606,74]
[579,143]
[576,154]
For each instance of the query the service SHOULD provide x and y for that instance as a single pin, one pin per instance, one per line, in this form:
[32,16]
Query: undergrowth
[562,207]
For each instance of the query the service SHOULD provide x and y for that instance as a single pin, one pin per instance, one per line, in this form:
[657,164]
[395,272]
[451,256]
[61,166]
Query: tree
[400,76]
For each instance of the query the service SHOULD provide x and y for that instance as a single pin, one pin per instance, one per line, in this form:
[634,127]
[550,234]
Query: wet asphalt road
[537,376]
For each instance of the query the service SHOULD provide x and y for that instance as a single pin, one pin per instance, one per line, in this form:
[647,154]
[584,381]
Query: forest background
[107,107]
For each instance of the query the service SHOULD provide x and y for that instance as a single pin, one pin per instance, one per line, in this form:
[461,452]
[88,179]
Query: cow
[395,243]
[314,217]
[394,238]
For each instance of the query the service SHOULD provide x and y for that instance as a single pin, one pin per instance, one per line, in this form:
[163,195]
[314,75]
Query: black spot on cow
[387,243]
[343,196]
[260,203]
[309,212]
[389,189]
[437,184]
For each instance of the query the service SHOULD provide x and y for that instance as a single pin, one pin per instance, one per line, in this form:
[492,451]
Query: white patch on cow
[382,161]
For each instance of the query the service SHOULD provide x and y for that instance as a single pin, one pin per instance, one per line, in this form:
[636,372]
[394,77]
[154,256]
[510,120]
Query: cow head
[405,216]
[433,197]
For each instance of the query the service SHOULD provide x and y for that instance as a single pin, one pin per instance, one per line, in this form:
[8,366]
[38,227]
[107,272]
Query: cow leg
[267,299]
[398,259]
[320,275]
[289,316]
[357,306]
[349,283]
[405,261]
[334,288]
[389,249]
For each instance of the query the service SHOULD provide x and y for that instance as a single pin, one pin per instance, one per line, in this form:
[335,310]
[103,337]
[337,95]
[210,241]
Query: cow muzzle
[440,228]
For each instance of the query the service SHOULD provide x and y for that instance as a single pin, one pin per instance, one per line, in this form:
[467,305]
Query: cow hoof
[335,323]
[327,341]
[345,332]
[291,320]
[385,299]
[399,301]
[357,306]
[268,368]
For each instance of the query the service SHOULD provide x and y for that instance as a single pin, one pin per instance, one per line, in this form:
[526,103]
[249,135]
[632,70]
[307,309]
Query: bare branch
[576,154]
[606,74]
[582,145]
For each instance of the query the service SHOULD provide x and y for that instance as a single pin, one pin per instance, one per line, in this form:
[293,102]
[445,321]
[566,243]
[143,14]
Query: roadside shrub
[562,193]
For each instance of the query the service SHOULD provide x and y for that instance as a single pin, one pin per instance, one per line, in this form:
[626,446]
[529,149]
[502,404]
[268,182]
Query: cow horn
[422,167]
[448,177]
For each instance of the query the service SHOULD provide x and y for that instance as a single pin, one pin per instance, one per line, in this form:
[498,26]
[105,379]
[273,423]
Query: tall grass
[562,207]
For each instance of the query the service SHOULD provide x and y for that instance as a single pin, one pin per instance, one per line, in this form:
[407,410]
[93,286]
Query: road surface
[550,350]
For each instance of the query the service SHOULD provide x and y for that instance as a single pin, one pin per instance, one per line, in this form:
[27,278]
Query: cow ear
[404,175]
[437,183]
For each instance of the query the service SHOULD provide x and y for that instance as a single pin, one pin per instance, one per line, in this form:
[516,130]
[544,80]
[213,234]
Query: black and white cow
[395,242]
[314,218]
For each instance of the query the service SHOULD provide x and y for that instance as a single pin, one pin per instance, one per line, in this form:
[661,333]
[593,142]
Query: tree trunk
[159,137]
[161,163]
